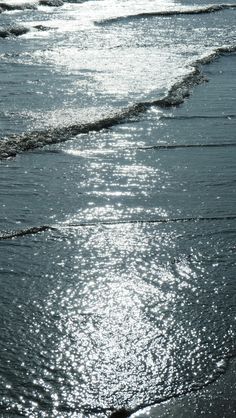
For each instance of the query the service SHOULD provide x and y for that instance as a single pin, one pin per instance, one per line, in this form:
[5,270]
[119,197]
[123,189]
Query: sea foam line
[10,146]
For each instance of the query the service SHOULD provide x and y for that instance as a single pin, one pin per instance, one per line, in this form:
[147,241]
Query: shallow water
[124,294]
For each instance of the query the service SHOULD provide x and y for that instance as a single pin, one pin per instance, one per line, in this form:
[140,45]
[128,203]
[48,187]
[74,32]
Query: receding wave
[14,144]
[38,229]
[166,13]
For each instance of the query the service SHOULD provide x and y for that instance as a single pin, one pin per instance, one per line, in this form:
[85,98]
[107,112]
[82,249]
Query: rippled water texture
[117,247]
[116,316]
[79,71]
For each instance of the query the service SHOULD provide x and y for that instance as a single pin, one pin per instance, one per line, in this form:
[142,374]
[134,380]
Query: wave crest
[212,8]
[14,144]
[38,229]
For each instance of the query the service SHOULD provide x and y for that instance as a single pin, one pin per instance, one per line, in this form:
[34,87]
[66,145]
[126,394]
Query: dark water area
[117,245]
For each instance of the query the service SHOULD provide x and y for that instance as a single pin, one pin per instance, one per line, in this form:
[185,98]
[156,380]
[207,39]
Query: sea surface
[117,203]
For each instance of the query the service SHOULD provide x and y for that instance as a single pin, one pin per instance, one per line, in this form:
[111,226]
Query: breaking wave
[14,144]
[166,13]
[7,7]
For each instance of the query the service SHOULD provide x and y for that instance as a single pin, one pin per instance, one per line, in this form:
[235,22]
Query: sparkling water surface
[128,298]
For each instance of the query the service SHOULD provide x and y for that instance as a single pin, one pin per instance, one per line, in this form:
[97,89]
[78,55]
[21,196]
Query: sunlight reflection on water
[131,317]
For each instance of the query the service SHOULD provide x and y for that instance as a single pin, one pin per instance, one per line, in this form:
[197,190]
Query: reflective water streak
[124,318]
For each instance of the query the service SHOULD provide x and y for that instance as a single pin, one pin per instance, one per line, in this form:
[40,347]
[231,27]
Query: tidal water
[117,203]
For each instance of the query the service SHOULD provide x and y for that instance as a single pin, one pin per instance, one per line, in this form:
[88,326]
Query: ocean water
[117,203]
